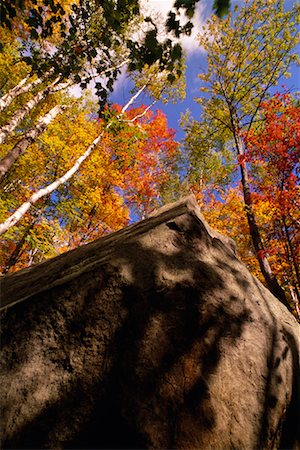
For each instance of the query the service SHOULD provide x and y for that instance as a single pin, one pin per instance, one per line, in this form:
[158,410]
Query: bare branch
[133,98]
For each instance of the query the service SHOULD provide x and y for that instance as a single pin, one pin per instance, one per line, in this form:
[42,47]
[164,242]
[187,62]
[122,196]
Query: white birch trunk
[61,86]
[21,88]
[28,139]
[296,302]
[19,213]
[19,115]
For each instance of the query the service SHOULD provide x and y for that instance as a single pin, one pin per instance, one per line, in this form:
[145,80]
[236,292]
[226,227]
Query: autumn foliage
[273,150]
[273,157]
[122,177]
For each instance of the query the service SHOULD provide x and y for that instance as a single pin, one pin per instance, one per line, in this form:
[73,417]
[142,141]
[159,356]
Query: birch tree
[21,88]
[90,41]
[131,161]
[28,138]
[14,218]
[25,110]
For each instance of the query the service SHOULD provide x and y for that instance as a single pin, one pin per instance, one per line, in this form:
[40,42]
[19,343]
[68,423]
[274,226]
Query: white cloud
[160,8]
[75,91]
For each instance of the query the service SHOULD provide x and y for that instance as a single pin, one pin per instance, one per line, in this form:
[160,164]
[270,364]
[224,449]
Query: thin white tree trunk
[7,98]
[133,98]
[28,138]
[21,88]
[19,213]
[61,86]
[19,115]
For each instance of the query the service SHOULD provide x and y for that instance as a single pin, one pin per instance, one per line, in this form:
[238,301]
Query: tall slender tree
[274,148]
[247,53]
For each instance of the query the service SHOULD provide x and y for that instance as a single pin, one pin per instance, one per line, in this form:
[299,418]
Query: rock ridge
[156,336]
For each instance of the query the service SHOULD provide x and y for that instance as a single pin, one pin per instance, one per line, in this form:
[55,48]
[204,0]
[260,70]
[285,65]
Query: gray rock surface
[156,336]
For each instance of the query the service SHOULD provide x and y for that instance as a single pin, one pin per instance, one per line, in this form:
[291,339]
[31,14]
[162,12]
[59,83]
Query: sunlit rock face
[154,337]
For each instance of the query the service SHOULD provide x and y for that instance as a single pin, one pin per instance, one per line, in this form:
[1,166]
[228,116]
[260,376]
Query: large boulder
[157,337]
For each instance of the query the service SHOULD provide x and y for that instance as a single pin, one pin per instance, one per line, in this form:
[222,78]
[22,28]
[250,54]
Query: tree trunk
[19,149]
[258,245]
[295,299]
[19,213]
[19,115]
[21,88]
[18,250]
[292,254]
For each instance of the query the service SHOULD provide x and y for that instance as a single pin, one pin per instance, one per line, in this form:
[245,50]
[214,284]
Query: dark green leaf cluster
[8,11]
[84,43]
[91,36]
[220,7]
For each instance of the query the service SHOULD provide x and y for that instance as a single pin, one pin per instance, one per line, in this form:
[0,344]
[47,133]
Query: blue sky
[196,62]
